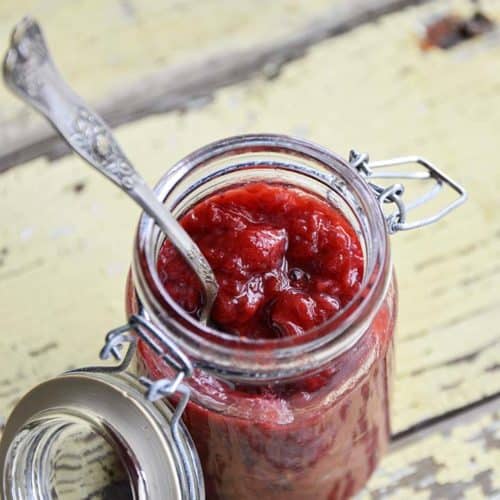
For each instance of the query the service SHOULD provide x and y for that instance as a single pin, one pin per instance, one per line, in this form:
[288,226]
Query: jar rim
[220,351]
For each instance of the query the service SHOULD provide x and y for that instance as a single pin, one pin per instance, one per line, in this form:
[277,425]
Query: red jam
[285,261]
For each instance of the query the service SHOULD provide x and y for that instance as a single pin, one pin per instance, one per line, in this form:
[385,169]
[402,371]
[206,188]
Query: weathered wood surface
[457,459]
[153,57]
[66,235]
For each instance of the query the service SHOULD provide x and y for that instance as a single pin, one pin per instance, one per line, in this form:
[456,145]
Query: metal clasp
[393,193]
[166,350]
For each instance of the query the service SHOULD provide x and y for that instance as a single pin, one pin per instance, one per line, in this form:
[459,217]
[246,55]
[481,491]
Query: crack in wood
[466,358]
[464,317]
[451,322]
[480,276]
[175,88]
[445,420]
[43,349]
[452,385]
[459,252]
[492,368]
[466,282]
[14,273]
[414,335]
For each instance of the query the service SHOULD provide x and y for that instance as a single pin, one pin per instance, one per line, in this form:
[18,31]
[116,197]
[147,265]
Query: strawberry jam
[285,261]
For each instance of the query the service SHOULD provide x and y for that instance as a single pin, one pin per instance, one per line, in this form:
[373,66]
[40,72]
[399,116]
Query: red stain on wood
[450,30]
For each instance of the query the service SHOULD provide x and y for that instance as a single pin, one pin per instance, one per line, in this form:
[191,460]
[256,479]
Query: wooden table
[178,74]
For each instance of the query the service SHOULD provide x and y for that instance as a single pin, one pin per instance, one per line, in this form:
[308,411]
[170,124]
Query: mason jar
[298,417]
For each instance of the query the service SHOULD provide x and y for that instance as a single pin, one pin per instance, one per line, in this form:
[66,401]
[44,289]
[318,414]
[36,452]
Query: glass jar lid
[92,433]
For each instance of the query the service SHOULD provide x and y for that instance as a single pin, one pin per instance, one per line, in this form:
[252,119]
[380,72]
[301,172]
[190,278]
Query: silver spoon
[29,72]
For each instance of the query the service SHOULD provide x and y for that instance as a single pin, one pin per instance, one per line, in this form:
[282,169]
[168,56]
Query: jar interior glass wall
[63,457]
[277,419]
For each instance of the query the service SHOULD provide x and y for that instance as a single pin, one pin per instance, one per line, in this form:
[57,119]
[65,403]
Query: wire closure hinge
[393,193]
[139,327]
[161,345]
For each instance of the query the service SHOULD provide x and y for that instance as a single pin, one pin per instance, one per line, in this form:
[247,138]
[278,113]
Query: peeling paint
[441,465]
[342,94]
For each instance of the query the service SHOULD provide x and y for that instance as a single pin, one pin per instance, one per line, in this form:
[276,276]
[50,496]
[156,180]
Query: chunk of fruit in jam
[284,259]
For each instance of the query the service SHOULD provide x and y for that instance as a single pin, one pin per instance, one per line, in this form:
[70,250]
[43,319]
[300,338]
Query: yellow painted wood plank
[124,40]
[459,461]
[67,250]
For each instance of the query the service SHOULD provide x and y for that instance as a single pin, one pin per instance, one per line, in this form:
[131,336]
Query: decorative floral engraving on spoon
[30,73]
[93,137]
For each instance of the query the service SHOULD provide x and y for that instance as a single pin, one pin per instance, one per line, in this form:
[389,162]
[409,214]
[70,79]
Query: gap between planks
[186,86]
[446,421]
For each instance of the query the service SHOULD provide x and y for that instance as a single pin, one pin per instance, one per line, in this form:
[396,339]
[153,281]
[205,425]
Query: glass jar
[299,417]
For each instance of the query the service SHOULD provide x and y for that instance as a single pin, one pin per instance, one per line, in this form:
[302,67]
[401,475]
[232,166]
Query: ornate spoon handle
[29,71]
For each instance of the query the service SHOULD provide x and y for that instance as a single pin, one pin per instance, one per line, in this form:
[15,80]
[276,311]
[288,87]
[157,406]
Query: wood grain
[458,459]
[66,234]
[152,58]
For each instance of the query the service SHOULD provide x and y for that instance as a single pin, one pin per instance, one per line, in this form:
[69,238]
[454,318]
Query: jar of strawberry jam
[285,392]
